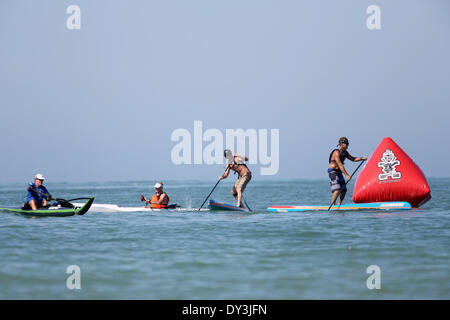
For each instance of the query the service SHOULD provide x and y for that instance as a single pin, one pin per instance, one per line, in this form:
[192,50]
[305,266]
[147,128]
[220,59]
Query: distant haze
[102,102]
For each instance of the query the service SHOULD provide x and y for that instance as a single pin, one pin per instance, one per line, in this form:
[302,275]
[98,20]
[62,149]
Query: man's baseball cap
[39,176]
[158,185]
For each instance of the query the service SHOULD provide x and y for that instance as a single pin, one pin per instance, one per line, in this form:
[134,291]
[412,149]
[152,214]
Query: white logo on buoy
[388,163]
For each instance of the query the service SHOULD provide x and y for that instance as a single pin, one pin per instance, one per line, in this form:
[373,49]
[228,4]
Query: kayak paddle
[47,196]
[345,185]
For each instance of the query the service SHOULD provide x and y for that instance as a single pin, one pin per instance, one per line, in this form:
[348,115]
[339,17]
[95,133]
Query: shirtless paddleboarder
[237,164]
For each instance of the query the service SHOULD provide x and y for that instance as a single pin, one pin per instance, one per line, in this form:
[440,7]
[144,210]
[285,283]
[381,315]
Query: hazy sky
[101,103]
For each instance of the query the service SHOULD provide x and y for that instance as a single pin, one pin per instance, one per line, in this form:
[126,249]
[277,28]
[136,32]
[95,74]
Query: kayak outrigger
[61,208]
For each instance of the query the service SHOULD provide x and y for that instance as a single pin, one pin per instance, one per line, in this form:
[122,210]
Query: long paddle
[246,204]
[50,198]
[47,196]
[345,185]
[209,194]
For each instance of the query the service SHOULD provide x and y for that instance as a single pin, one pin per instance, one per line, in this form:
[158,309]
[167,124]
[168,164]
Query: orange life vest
[162,205]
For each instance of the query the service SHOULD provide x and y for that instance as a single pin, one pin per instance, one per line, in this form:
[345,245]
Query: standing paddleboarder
[336,169]
[237,164]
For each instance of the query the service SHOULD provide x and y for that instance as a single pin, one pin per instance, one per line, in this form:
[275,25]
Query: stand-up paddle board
[354,206]
[105,207]
[216,205]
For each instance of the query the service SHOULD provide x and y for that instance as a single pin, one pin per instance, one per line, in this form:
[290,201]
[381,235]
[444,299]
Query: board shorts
[27,206]
[241,183]
[337,181]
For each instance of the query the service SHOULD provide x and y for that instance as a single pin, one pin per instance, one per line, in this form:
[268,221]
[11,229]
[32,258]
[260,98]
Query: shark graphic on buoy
[391,175]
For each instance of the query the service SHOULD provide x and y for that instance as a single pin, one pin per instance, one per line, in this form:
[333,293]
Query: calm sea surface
[224,255]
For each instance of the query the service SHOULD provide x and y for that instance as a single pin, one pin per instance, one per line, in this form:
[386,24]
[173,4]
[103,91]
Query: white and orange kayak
[353,206]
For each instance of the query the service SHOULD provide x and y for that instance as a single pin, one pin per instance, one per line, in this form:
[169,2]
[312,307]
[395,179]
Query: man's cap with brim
[39,176]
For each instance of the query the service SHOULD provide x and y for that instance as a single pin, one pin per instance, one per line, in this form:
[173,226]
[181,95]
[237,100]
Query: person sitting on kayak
[336,169]
[237,164]
[160,199]
[37,195]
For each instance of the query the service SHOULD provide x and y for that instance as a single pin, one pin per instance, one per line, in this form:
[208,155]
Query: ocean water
[224,255]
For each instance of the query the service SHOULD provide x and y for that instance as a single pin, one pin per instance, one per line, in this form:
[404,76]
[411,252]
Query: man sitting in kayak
[238,166]
[336,169]
[160,199]
[37,195]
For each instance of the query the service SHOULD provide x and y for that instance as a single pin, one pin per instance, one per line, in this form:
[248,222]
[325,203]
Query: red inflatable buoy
[391,175]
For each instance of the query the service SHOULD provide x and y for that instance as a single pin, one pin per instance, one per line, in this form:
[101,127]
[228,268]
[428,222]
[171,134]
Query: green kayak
[52,210]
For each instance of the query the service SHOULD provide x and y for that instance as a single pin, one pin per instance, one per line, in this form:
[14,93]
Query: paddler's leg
[33,205]
[341,197]
[237,193]
[239,198]
[343,188]
[240,186]
[335,194]
[234,191]
[334,184]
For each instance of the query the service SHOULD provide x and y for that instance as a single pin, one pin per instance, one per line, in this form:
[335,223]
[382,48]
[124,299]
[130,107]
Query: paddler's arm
[146,200]
[240,157]
[48,195]
[226,173]
[161,200]
[355,159]
[336,159]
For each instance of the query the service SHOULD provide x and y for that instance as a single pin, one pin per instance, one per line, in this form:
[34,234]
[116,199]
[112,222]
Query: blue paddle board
[216,205]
